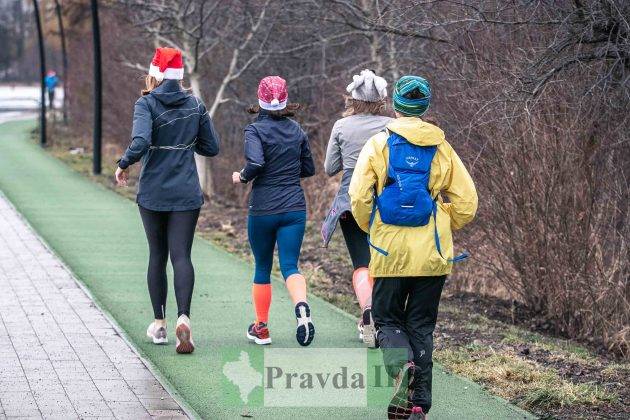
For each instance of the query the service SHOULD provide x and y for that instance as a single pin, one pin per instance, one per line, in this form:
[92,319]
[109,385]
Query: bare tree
[194,27]
[64,59]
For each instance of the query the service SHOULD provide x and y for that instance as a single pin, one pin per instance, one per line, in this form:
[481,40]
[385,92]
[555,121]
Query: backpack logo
[412,161]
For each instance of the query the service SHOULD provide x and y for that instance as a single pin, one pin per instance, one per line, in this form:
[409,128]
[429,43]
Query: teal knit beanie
[411,107]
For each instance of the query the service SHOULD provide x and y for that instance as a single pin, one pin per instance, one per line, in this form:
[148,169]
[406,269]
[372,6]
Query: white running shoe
[368,330]
[305,329]
[157,334]
[183,334]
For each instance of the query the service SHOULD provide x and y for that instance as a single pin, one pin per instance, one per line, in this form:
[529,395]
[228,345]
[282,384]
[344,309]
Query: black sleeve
[140,134]
[306,158]
[207,138]
[254,155]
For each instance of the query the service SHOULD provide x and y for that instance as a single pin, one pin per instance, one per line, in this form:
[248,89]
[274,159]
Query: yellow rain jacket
[412,250]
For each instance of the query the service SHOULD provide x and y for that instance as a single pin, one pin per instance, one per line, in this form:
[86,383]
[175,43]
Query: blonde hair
[355,106]
[150,83]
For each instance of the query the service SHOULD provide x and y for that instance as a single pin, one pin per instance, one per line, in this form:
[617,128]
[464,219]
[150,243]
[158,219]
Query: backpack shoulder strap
[375,200]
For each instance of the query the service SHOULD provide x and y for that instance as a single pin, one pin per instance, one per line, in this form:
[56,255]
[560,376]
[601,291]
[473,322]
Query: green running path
[99,235]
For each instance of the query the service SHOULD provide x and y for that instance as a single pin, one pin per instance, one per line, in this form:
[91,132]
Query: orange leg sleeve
[261,296]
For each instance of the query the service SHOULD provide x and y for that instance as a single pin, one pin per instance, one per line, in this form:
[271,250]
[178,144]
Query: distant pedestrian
[278,156]
[169,126]
[396,196]
[51,81]
[365,115]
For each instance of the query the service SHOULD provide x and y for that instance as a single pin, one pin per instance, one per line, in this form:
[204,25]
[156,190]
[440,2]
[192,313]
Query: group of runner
[396,171]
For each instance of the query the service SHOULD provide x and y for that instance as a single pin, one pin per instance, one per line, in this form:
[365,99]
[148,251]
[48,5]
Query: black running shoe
[305,329]
[399,406]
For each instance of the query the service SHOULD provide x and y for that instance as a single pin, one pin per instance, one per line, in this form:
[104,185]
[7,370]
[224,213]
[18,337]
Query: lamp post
[98,90]
[42,76]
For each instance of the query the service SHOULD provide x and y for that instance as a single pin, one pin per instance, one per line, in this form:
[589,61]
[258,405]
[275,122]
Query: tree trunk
[21,28]
[370,9]
[375,54]
[393,65]
[64,61]
[203,169]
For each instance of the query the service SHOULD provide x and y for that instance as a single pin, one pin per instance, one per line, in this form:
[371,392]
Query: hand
[236,178]
[122,176]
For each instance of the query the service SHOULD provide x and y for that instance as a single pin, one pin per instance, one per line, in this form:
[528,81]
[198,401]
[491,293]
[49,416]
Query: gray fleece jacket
[348,137]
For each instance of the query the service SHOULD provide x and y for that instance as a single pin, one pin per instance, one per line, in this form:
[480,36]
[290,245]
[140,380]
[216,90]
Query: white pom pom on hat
[272,93]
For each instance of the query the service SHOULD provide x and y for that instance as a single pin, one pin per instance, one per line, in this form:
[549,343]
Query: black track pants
[170,233]
[356,241]
[405,311]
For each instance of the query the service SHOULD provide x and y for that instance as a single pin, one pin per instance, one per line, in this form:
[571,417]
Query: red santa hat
[272,93]
[167,63]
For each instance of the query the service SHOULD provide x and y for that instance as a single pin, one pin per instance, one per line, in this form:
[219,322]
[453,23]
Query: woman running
[396,195]
[169,126]
[365,115]
[278,156]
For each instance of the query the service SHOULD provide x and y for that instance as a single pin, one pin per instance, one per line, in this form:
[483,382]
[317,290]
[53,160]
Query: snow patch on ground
[23,97]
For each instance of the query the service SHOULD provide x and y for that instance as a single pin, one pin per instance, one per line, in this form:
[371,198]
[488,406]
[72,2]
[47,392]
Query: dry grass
[565,348]
[616,370]
[523,382]
[550,376]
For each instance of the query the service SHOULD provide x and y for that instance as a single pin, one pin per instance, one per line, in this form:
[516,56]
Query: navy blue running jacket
[169,125]
[278,155]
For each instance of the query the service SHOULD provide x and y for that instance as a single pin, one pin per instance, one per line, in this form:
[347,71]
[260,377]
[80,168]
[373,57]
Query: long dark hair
[288,111]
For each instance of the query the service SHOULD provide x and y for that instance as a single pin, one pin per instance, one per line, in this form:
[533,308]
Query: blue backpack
[406,199]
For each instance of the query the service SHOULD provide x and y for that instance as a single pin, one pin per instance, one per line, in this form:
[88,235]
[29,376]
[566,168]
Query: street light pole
[42,76]
[98,90]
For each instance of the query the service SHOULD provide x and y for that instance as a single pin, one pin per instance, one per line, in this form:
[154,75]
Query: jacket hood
[170,92]
[416,131]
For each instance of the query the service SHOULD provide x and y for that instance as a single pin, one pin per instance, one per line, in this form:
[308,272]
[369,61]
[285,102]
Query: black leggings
[356,241]
[170,232]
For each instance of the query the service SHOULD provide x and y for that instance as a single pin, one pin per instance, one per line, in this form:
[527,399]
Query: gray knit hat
[367,87]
